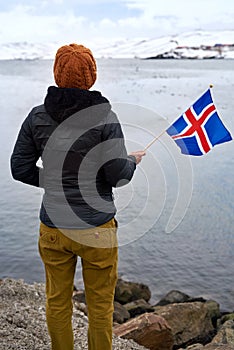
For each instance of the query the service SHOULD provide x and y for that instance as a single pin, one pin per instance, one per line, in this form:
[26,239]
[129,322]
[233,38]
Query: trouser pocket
[48,241]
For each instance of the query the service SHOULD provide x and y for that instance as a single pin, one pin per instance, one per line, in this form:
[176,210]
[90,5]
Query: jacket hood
[61,103]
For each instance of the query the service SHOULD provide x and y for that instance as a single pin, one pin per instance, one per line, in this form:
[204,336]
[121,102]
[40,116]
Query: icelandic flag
[199,128]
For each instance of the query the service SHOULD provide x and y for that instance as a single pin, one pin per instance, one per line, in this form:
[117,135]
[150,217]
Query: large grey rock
[138,307]
[189,322]
[126,292]
[149,330]
[225,334]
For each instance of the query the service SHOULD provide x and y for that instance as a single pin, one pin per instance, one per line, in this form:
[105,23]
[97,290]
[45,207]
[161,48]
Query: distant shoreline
[137,325]
[197,44]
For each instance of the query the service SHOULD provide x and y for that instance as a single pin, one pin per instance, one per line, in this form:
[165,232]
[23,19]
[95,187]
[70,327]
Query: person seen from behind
[81,144]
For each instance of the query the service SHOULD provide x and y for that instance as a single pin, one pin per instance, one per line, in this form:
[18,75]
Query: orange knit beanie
[75,67]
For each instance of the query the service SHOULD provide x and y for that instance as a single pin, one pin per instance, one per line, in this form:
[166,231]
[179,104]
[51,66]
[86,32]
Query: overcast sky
[94,20]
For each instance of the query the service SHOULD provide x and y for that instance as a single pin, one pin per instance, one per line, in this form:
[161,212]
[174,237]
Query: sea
[176,216]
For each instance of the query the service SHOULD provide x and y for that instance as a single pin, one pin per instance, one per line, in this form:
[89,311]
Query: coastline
[176,321]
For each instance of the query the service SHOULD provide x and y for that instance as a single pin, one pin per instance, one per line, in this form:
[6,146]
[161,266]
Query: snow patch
[199,45]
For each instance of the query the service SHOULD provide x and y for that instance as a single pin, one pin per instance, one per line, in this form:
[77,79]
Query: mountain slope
[197,44]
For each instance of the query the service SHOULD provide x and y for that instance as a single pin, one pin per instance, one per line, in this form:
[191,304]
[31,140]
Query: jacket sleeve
[25,157]
[118,166]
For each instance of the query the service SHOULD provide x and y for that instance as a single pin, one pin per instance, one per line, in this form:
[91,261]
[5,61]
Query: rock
[79,295]
[227,317]
[23,320]
[189,322]
[81,307]
[120,315]
[218,347]
[214,311]
[79,301]
[126,292]
[209,347]
[138,307]
[149,330]
[196,346]
[174,296]
[225,334]
[201,299]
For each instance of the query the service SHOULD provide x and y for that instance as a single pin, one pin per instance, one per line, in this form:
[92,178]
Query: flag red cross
[196,125]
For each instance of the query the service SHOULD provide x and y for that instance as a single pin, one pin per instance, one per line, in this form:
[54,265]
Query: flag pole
[154,140]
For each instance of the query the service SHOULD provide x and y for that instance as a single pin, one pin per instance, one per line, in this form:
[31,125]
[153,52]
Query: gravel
[23,321]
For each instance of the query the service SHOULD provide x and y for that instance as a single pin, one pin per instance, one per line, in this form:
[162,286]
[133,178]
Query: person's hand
[138,155]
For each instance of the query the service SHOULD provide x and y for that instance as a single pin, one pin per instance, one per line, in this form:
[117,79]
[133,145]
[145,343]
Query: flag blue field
[200,128]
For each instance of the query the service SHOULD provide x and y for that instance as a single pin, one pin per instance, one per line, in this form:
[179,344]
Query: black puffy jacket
[81,145]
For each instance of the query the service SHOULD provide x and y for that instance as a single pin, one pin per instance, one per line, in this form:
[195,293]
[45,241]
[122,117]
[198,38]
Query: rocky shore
[177,321]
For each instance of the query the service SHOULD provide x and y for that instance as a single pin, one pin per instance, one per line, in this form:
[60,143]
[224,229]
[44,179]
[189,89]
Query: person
[76,126]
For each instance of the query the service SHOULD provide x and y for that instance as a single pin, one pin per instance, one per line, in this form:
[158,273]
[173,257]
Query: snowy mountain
[25,50]
[197,44]
[188,45]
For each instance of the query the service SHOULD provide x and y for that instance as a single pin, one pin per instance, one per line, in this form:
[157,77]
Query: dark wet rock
[120,315]
[138,307]
[174,296]
[79,296]
[126,292]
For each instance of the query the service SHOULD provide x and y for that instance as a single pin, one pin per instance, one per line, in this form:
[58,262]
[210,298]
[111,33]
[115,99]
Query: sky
[89,21]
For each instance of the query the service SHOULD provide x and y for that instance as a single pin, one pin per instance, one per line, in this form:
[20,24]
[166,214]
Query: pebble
[23,320]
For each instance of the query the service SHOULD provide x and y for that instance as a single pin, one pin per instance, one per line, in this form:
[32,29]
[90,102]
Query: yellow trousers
[99,257]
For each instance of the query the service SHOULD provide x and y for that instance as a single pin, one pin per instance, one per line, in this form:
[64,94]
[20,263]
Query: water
[196,257]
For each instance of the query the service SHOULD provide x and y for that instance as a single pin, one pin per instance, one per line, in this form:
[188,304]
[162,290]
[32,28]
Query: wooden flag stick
[154,140]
